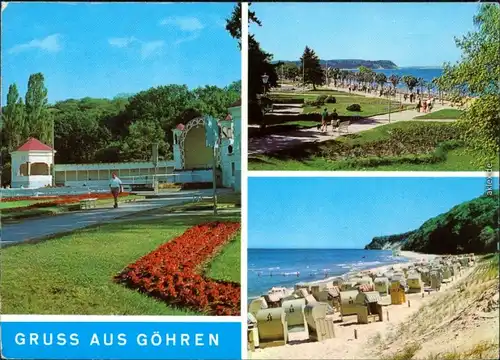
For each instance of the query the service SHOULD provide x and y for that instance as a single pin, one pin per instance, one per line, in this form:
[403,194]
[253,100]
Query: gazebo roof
[34,145]
[236,103]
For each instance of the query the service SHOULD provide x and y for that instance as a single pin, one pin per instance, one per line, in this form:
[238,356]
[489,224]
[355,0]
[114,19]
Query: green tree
[37,116]
[80,127]
[163,104]
[478,73]
[142,135]
[336,75]
[290,70]
[394,80]
[381,79]
[410,82]
[13,122]
[421,84]
[313,73]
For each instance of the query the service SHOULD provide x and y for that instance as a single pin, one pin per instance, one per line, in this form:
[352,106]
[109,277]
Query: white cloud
[146,48]
[187,38]
[121,42]
[151,48]
[50,44]
[185,23]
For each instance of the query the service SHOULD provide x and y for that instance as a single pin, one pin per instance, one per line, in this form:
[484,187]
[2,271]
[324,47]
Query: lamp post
[389,100]
[53,154]
[216,146]
[265,79]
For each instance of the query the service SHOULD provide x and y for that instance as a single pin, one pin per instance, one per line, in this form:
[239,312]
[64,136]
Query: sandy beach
[450,320]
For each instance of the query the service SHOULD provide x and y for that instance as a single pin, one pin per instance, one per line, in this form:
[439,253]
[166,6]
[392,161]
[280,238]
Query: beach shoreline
[410,257]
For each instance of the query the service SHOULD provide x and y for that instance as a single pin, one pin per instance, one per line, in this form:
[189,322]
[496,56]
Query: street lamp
[53,154]
[265,78]
[389,100]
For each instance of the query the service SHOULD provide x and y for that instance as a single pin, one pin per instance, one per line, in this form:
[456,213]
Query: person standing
[115,184]
[324,115]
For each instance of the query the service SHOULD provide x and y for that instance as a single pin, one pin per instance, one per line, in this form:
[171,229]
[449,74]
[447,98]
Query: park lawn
[16,204]
[73,274]
[51,210]
[303,159]
[442,114]
[226,266]
[457,160]
[369,106]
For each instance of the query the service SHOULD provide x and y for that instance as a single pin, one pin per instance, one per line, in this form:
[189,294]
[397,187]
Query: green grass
[15,204]
[457,160]
[299,158]
[369,106]
[17,214]
[442,114]
[73,274]
[226,265]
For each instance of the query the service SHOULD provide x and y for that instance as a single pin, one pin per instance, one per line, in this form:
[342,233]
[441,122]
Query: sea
[426,73]
[279,267]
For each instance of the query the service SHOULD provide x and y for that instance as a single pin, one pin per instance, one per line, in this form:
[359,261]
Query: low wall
[33,182]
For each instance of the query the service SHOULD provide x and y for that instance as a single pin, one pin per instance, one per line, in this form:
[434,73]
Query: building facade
[193,161]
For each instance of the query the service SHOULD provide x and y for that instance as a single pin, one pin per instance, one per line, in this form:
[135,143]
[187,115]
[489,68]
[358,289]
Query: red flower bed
[173,271]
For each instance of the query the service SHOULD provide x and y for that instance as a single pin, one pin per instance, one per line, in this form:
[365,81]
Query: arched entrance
[194,152]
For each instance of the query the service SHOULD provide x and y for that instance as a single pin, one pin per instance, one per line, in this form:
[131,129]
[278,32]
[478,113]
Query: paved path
[281,141]
[32,229]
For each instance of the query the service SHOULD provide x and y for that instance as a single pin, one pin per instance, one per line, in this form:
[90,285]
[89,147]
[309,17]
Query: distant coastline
[350,64]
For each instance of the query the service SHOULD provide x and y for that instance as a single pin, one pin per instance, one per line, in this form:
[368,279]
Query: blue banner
[121,340]
[211,131]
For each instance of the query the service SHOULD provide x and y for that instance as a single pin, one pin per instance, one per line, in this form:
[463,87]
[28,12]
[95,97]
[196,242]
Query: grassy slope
[457,159]
[73,274]
[449,313]
[442,114]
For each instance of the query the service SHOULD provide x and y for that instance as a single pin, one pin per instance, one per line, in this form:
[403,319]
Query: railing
[7,193]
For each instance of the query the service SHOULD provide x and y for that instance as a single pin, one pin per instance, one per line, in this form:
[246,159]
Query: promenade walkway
[281,141]
[33,229]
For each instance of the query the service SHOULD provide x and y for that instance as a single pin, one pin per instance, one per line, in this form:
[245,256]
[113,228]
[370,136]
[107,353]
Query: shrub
[319,101]
[255,115]
[287,100]
[331,99]
[354,107]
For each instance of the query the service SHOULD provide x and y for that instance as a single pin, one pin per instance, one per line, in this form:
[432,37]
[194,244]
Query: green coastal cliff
[350,63]
[471,226]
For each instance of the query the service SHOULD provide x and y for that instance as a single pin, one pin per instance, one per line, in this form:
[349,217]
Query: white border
[393,174]
[244,174]
[117,318]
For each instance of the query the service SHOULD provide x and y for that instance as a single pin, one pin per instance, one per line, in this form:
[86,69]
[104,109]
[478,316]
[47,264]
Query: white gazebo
[31,165]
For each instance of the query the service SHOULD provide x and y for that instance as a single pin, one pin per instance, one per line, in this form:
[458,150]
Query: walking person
[419,105]
[324,115]
[115,184]
[424,106]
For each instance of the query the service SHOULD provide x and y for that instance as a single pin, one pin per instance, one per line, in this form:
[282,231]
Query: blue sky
[101,50]
[410,34]
[347,212]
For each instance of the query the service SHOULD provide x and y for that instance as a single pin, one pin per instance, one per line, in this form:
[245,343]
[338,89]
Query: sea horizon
[268,267]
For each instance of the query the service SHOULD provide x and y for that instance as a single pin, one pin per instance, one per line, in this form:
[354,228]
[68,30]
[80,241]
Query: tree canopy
[478,73]
[311,68]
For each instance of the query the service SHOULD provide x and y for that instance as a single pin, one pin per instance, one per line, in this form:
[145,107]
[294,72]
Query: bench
[341,126]
[344,127]
[88,203]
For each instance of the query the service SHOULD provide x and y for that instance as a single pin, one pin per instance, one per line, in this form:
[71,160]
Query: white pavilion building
[193,161]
